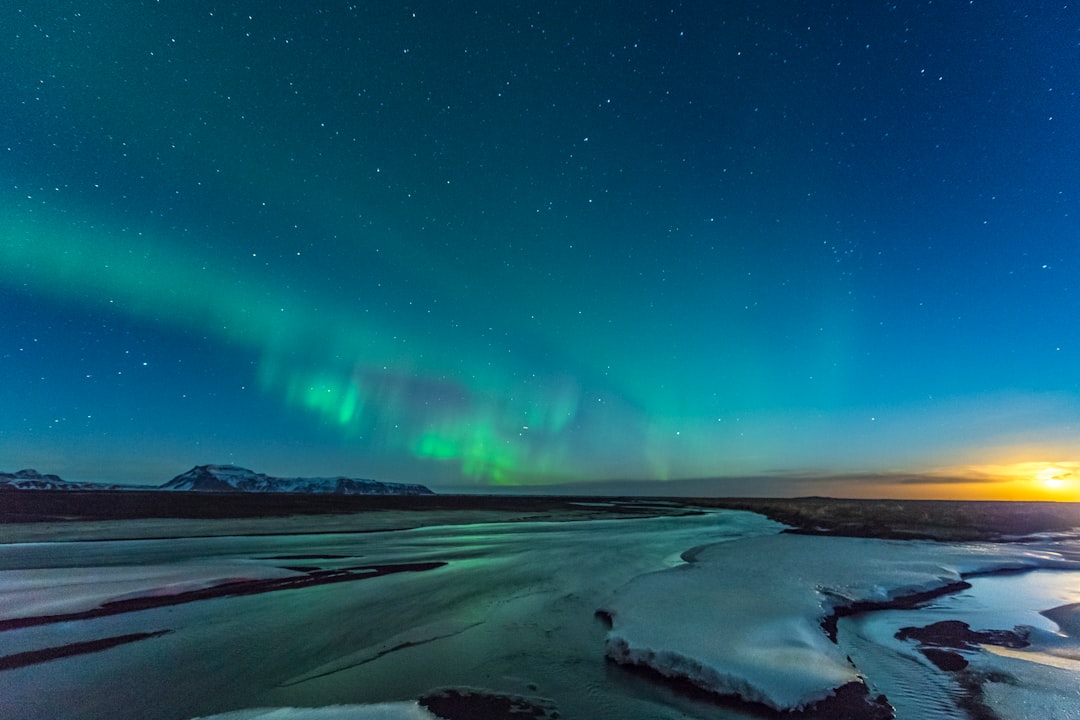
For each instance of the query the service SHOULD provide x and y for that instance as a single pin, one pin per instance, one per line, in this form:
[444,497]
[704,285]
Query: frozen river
[186,627]
[512,609]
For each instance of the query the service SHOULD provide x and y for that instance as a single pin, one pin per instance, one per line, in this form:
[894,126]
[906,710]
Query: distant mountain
[230,478]
[33,480]
[222,478]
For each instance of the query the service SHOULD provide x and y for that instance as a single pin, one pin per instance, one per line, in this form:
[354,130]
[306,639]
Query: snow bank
[382,711]
[744,617]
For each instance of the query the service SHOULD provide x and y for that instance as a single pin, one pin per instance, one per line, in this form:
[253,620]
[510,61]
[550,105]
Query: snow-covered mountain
[221,478]
[33,480]
[230,478]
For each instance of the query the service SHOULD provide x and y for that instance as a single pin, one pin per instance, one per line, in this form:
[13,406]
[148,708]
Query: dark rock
[946,660]
[943,642]
[959,636]
[475,704]
[849,702]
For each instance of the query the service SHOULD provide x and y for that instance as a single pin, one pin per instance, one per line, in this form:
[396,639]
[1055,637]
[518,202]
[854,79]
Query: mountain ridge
[232,478]
[222,478]
[30,479]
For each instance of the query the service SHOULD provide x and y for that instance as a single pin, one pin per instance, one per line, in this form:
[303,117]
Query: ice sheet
[745,617]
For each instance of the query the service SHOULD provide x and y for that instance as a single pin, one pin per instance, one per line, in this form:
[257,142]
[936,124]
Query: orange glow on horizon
[1024,481]
[1028,481]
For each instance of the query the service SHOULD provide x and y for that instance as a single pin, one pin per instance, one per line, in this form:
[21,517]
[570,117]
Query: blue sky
[646,241]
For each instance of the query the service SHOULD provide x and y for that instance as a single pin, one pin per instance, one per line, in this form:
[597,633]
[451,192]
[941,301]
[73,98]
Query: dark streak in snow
[34,657]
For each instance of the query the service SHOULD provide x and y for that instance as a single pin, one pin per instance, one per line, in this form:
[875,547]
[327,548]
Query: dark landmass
[29,506]
[888,519]
[950,520]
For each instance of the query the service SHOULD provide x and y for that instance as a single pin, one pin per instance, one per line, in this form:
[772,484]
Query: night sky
[488,244]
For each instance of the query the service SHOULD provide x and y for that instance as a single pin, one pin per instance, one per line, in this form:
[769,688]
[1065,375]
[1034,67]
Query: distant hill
[33,480]
[222,478]
[230,478]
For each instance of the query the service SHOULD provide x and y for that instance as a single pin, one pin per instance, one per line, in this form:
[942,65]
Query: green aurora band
[490,415]
[313,355]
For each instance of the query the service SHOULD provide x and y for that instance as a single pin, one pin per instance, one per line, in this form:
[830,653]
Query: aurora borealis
[486,244]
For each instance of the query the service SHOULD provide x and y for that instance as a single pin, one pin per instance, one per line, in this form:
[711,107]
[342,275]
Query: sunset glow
[1054,477]
[1029,480]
